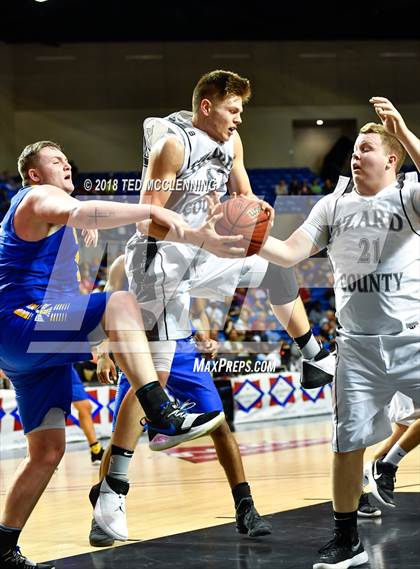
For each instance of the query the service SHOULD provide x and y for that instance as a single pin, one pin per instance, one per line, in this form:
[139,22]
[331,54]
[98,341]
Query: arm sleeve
[316,225]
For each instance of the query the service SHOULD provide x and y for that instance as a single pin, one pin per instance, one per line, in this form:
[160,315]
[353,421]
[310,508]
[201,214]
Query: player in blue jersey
[46,325]
[80,400]
[186,385]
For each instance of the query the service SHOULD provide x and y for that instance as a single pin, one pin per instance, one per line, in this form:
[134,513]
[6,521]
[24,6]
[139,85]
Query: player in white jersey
[187,158]
[380,473]
[371,228]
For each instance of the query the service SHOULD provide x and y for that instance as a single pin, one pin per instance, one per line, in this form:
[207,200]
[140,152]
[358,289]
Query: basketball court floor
[180,509]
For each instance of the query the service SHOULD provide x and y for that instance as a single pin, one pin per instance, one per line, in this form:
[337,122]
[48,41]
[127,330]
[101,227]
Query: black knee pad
[281,284]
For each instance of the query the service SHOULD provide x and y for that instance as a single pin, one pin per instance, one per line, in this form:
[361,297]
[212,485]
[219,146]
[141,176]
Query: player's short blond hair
[218,85]
[28,157]
[389,141]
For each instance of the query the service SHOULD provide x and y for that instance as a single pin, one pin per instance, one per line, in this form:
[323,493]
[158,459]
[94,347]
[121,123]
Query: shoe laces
[187,405]
[245,506]
[252,515]
[18,557]
[180,411]
[177,411]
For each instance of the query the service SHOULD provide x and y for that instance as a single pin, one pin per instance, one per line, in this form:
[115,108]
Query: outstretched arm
[296,248]
[48,205]
[394,123]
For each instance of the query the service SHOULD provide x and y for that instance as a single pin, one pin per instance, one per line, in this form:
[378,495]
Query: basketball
[242,216]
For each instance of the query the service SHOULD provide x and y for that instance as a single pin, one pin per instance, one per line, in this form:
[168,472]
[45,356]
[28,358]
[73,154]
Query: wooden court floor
[287,464]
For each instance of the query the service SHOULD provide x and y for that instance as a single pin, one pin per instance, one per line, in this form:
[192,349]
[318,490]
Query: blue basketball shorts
[39,343]
[185,382]
[78,392]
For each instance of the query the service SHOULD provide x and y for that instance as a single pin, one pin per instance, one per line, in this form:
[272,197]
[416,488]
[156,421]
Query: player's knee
[54,455]
[281,284]
[84,407]
[49,455]
[122,301]
[123,307]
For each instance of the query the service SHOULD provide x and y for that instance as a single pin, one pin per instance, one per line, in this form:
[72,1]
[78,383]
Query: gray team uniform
[402,410]
[165,275]
[374,247]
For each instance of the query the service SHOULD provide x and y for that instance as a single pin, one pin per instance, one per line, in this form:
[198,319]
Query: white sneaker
[318,371]
[109,512]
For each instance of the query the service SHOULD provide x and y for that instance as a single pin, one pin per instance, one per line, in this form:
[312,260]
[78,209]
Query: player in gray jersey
[371,227]
[189,157]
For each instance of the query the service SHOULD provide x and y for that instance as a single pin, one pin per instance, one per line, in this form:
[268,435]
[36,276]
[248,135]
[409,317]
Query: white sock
[310,349]
[395,455]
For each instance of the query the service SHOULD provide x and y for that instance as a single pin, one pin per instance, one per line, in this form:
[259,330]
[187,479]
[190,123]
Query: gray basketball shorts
[370,370]
[164,276]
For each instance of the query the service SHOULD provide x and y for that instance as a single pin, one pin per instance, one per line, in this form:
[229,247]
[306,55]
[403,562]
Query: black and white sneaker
[96,457]
[318,371]
[98,537]
[365,508]
[341,554]
[13,559]
[178,426]
[249,521]
[382,480]
[109,507]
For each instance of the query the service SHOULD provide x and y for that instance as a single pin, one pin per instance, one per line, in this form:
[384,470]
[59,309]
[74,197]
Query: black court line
[392,542]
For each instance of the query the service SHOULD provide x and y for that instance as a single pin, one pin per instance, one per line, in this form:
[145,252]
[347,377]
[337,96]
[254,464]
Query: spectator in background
[272,335]
[294,187]
[328,186]
[4,202]
[315,314]
[305,189]
[215,314]
[281,188]
[316,187]
[285,354]
[4,381]
[86,283]
[242,323]
[235,343]
[305,295]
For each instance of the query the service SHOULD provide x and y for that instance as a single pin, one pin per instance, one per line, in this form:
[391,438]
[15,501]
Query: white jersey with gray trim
[206,166]
[373,243]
